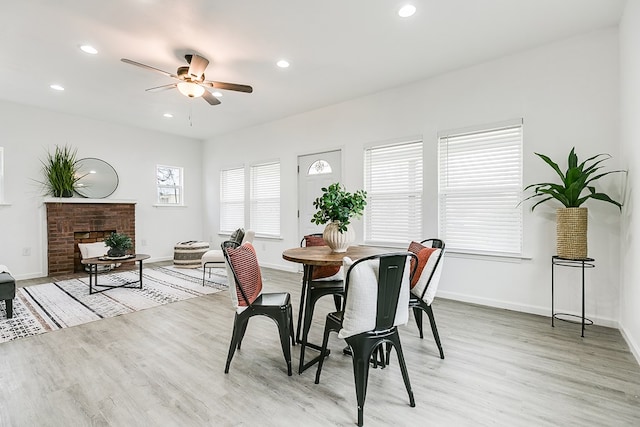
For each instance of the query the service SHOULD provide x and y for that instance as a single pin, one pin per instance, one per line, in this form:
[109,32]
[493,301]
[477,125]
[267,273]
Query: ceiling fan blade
[229,86]
[197,65]
[148,67]
[161,88]
[210,98]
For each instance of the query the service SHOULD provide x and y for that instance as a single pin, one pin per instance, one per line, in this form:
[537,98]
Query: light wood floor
[164,367]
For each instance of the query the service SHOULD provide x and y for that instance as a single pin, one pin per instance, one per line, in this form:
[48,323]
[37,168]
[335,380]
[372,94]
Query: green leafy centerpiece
[336,207]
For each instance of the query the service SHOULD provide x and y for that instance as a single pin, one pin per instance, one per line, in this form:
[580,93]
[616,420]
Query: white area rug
[51,306]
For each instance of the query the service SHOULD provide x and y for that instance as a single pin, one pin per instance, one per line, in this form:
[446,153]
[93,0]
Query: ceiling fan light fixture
[190,89]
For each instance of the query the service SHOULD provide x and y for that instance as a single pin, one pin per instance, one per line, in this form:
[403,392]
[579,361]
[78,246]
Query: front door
[314,172]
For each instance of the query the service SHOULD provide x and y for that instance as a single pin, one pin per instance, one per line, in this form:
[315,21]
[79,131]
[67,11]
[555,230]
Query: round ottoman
[188,254]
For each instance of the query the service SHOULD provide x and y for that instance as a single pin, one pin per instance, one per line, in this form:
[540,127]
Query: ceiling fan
[191,81]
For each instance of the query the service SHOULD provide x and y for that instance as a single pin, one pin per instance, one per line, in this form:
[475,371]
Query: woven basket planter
[571,229]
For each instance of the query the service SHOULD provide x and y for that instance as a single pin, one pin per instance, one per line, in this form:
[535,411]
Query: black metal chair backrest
[391,272]
[439,244]
[233,245]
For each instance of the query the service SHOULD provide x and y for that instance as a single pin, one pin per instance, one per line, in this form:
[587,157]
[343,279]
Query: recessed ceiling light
[282,63]
[56,87]
[168,115]
[88,49]
[407,11]
[217,94]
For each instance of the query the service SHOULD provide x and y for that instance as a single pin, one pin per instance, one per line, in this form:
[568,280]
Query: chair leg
[362,350]
[417,313]
[241,331]
[395,340]
[284,329]
[323,352]
[235,335]
[337,300]
[434,329]
[9,306]
[292,332]
[204,272]
[306,325]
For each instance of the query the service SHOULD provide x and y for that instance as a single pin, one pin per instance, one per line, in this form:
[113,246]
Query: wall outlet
[26,251]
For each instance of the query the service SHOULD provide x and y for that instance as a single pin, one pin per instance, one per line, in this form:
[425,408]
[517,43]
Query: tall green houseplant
[576,186]
[60,171]
[574,182]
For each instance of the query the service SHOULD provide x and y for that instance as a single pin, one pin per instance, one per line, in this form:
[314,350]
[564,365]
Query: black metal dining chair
[423,293]
[244,271]
[320,281]
[375,288]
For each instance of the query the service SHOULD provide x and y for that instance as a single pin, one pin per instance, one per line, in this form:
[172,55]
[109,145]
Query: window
[480,186]
[231,199]
[319,167]
[170,185]
[393,181]
[265,199]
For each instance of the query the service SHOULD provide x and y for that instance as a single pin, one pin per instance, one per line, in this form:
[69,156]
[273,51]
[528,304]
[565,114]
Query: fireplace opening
[86,237]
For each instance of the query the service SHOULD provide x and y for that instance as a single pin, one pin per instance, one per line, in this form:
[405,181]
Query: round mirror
[98,179]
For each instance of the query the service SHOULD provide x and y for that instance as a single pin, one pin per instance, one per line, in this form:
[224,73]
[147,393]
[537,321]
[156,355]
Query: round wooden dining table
[311,256]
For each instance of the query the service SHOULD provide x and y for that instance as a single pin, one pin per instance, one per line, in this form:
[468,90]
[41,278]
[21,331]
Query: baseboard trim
[524,308]
[633,346]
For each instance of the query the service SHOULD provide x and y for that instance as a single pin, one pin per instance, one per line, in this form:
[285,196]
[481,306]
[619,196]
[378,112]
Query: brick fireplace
[74,221]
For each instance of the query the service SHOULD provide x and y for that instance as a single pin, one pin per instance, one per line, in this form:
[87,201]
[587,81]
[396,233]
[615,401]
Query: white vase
[337,241]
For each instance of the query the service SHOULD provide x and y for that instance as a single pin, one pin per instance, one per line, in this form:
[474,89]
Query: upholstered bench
[188,254]
[7,292]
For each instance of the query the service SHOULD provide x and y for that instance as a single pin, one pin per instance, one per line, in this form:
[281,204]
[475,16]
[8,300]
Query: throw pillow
[245,264]
[423,281]
[237,235]
[326,272]
[92,250]
[362,299]
[423,253]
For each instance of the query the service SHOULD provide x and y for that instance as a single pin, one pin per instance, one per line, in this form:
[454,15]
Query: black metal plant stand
[575,263]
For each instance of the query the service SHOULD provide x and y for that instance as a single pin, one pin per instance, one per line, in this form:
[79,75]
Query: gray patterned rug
[42,308]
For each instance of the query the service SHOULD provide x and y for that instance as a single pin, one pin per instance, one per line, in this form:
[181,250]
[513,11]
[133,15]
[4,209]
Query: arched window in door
[319,167]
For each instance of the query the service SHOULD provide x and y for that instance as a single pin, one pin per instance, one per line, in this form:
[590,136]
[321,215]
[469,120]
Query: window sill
[458,253]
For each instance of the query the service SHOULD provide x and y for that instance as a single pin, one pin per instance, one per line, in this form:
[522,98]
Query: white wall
[630,135]
[27,133]
[567,94]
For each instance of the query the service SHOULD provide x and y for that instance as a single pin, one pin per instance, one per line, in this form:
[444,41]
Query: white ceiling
[338,50]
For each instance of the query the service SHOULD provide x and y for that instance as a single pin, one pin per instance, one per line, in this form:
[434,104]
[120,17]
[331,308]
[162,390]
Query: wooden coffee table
[93,264]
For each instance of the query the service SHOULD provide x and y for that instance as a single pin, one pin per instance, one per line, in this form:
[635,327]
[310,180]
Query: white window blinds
[393,181]
[231,199]
[480,186]
[265,199]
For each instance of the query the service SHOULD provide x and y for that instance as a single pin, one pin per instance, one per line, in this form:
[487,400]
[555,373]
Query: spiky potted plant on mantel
[336,207]
[576,187]
[60,171]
